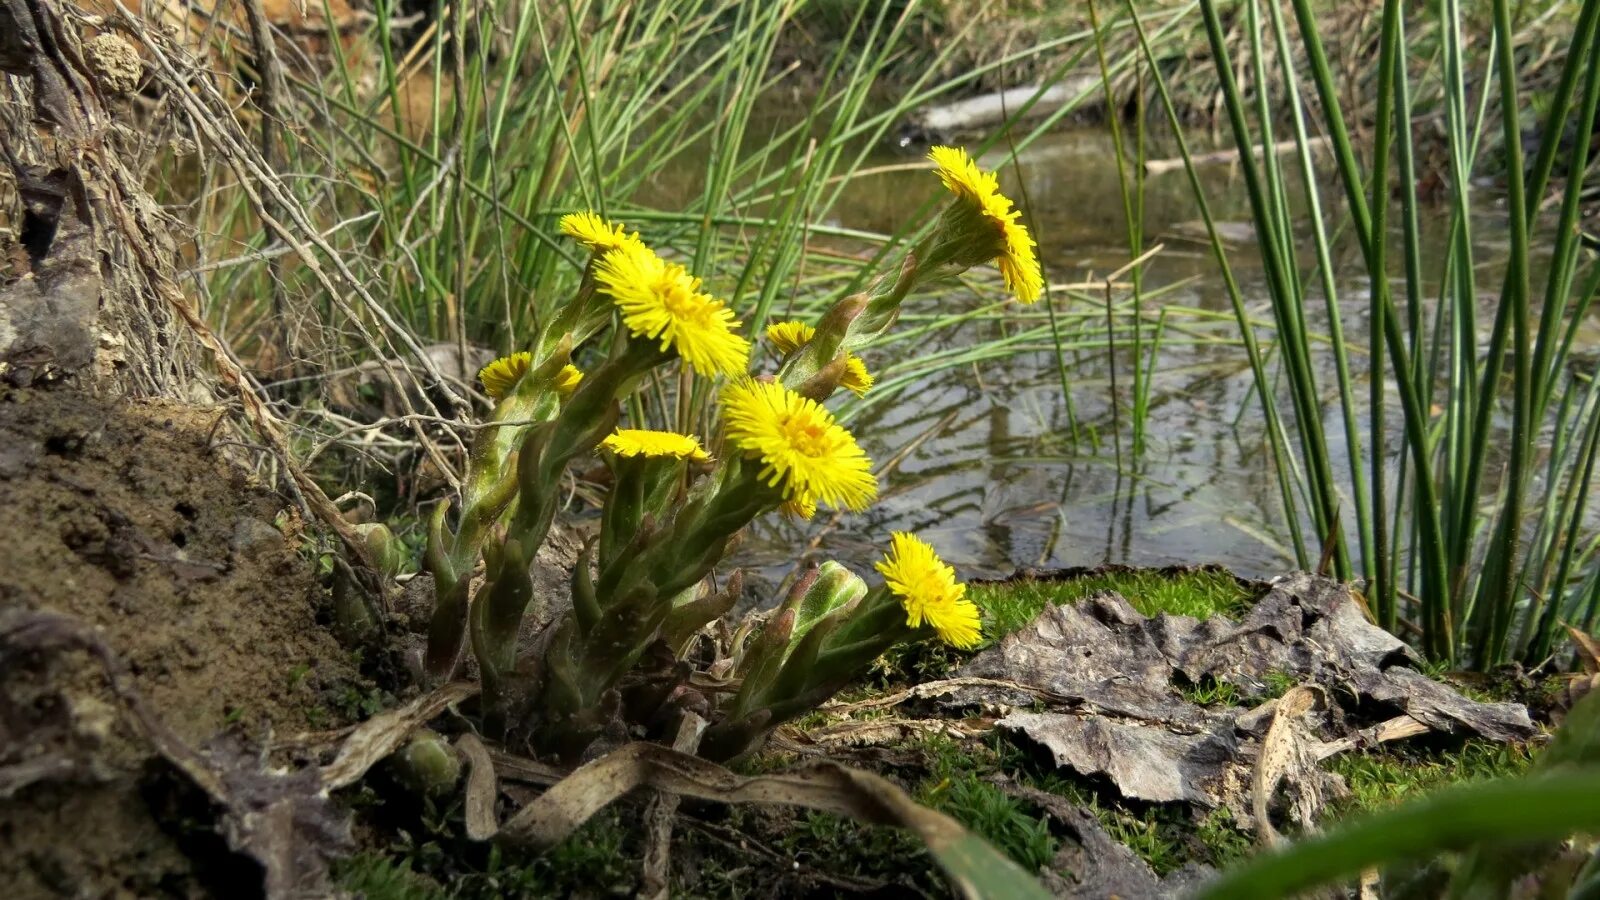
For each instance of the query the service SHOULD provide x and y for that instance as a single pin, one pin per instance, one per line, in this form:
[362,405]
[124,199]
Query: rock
[1100,653]
[1312,629]
[936,124]
[253,537]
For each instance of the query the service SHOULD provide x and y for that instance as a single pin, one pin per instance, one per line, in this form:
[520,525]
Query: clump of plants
[619,652]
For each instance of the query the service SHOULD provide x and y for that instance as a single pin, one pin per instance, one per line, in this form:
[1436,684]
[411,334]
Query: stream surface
[994,477]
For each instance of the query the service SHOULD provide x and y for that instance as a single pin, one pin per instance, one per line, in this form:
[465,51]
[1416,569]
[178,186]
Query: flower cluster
[500,377]
[600,236]
[675,505]
[662,444]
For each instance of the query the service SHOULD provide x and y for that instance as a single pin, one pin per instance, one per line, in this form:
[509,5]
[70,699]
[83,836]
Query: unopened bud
[834,588]
[387,551]
[428,764]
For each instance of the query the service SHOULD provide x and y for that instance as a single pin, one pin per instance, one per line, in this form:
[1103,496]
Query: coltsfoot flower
[857,380]
[662,301]
[928,590]
[500,376]
[640,442]
[812,458]
[799,507]
[596,233]
[987,219]
[567,379]
[787,337]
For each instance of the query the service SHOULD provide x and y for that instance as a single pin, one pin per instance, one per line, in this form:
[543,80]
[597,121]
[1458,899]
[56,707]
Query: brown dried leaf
[1145,763]
[481,789]
[381,735]
[1588,649]
[874,732]
[1288,753]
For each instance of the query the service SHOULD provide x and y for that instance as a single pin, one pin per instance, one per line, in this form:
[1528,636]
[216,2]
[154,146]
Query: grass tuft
[1383,779]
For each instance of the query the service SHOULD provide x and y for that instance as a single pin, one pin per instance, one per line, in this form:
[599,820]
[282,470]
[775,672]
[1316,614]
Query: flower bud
[428,764]
[835,587]
[387,551]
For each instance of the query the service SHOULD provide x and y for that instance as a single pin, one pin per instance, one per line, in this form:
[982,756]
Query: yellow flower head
[804,451]
[638,442]
[500,376]
[567,379]
[1007,240]
[788,337]
[799,508]
[596,233]
[857,380]
[661,300]
[928,590]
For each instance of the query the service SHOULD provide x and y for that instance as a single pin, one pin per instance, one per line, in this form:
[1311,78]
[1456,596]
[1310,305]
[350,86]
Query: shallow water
[995,479]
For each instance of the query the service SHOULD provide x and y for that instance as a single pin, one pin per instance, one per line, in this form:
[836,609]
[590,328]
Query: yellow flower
[787,337]
[857,379]
[799,508]
[661,300]
[596,233]
[500,376]
[1011,244]
[928,590]
[805,452]
[638,442]
[567,379]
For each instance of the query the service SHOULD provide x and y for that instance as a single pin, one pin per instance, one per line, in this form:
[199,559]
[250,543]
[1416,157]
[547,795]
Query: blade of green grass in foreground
[1547,807]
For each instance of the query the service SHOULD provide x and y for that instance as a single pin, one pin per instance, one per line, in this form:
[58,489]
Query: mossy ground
[960,778]
[1198,592]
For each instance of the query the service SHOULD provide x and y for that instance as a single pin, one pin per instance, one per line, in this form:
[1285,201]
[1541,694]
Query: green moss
[1166,837]
[1211,692]
[1201,593]
[598,858]
[1381,779]
[1278,684]
[373,876]
[593,861]
[954,788]
[846,847]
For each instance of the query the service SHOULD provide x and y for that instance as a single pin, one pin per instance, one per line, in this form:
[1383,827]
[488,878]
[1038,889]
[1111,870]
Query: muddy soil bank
[128,518]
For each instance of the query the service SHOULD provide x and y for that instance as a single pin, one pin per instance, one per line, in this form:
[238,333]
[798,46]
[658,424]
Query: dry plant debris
[1121,713]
